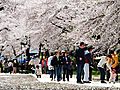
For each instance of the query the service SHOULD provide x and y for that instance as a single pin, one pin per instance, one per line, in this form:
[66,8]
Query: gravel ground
[28,82]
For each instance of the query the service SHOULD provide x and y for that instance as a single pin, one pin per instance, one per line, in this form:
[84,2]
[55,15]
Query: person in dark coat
[88,63]
[80,59]
[15,65]
[66,66]
[56,62]
[72,64]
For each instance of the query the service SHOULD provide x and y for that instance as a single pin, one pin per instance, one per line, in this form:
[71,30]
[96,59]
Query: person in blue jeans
[80,60]
[59,66]
[56,63]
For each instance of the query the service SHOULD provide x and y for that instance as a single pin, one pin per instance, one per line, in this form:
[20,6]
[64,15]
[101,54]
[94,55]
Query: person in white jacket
[101,68]
[50,67]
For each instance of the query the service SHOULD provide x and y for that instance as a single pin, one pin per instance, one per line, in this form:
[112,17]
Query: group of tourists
[61,64]
[85,62]
[8,66]
[112,64]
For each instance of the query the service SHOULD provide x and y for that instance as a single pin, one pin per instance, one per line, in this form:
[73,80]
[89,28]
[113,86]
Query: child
[112,76]
[112,71]
[38,71]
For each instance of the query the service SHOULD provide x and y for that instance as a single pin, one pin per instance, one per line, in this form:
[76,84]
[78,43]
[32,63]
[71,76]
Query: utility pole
[14,51]
[40,55]
[21,50]
[40,46]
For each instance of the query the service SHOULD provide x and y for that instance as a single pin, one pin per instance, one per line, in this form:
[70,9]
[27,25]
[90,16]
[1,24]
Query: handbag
[50,67]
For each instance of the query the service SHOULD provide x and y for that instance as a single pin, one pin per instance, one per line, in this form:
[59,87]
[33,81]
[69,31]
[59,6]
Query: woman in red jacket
[44,65]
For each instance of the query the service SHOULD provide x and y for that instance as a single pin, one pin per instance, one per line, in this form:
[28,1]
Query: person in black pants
[80,59]
[72,64]
[66,66]
[101,68]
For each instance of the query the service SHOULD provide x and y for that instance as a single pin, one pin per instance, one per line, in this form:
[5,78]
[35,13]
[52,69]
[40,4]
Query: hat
[90,47]
[63,51]
[56,50]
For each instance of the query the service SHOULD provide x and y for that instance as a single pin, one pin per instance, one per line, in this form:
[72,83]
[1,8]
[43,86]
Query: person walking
[80,59]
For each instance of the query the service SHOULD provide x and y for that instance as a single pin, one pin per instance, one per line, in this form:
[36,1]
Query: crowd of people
[62,64]
[8,66]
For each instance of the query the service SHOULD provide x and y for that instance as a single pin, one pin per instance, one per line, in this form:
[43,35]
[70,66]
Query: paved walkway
[30,79]
[45,78]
